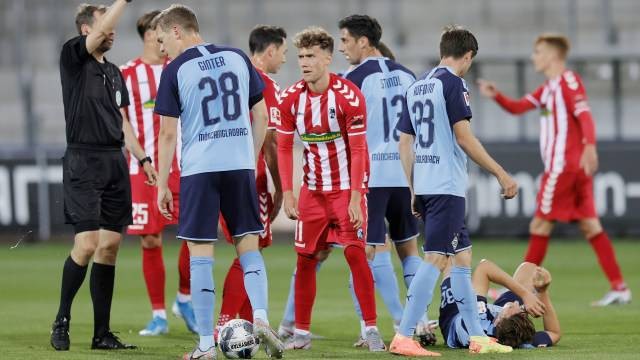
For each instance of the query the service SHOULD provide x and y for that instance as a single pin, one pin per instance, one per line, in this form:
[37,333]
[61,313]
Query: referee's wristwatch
[144,160]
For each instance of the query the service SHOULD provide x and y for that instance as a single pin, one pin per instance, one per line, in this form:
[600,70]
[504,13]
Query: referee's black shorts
[97,191]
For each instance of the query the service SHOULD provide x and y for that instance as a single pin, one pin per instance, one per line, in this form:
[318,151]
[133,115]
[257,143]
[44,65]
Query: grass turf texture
[29,289]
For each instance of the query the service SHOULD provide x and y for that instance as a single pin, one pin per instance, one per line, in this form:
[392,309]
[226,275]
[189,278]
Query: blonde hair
[557,41]
[313,36]
[177,14]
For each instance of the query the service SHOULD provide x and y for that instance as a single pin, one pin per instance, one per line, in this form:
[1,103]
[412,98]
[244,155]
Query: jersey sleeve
[522,105]
[256,86]
[286,129]
[356,114]
[575,97]
[542,339]
[287,121]
[74,52]
[168,97]
[271,98]
[456,97]
[404,123]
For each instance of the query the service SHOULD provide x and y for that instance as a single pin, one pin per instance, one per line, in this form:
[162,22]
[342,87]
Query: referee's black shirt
[93,94]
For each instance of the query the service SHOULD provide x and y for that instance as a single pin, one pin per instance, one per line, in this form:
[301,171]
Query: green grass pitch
[29,291]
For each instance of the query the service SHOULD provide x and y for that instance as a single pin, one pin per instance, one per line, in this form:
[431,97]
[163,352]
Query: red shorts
[146,215]
[265,203]
[566,196]
[324,219]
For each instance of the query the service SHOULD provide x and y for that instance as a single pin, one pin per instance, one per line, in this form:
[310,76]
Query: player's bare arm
[134,148]
[472,146]
[270,150]
[488,272]
[104,25]
[550,321]
[589,159]
[258,126]
[167,139]
[405,147]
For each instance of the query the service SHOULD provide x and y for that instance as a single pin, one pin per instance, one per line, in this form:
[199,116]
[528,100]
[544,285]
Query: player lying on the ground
[505,319]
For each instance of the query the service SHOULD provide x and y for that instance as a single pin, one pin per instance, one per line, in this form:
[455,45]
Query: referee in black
[97,193]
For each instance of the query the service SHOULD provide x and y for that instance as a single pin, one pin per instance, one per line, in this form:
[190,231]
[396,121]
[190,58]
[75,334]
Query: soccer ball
[237,340]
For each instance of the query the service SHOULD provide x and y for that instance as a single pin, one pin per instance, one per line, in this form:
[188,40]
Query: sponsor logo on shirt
[466,98]
[275,115]
[319,138]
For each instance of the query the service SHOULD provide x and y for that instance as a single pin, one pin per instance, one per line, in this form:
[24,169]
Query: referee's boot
[60,334]
[109,341]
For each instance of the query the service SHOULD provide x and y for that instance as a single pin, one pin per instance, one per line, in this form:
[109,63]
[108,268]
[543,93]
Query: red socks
[362,283]
[154,276]
[607,258]
[184,269]
[234,295]
[537,248]
[305,290]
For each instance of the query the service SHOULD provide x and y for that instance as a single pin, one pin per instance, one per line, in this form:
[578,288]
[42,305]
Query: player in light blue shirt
[435,140]
[212,89]
[384,83]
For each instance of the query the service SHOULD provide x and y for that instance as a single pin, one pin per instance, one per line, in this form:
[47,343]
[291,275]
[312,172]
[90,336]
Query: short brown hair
[515,330]
[85,15]
[313,36]
[557,41]
[146,22]
[178,14]
[457,41]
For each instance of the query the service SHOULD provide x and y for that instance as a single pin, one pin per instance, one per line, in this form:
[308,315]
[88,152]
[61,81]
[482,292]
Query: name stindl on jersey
[237,341]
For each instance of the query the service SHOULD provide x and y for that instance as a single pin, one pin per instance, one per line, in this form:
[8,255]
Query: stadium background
[605,35]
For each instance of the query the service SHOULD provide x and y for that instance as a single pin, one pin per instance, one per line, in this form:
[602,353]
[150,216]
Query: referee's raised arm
[97,192]
[104,25]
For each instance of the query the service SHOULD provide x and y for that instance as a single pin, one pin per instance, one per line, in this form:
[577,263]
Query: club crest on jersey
[118,98]
[360,233]
[332,113]
[454,242]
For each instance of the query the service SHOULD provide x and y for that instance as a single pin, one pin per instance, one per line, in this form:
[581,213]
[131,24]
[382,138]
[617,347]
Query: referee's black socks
[72,278]
[101,283]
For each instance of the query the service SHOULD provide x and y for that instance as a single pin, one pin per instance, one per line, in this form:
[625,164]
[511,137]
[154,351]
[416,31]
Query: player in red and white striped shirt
[329,115]
[568,149]
[268,48]
[142,76]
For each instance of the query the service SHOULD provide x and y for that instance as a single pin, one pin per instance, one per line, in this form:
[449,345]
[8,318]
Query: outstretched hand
[487,88]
